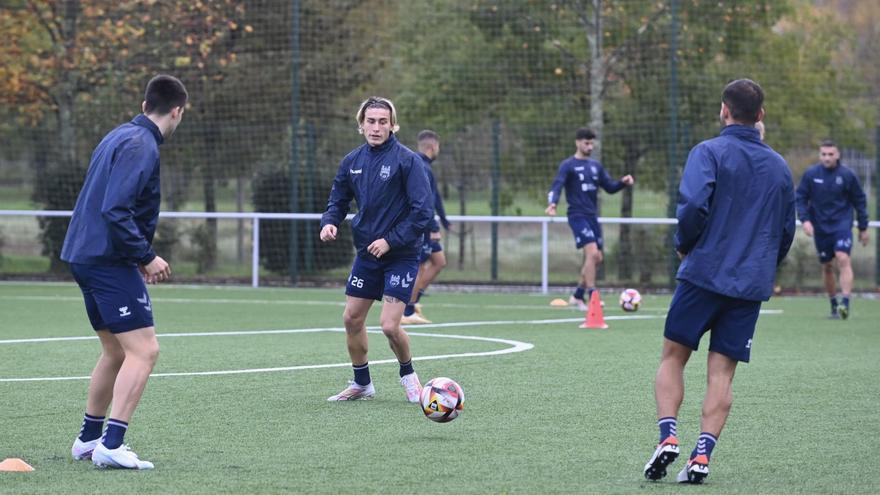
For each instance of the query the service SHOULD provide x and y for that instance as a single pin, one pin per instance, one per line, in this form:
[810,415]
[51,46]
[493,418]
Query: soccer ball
[442,399]
[630,299]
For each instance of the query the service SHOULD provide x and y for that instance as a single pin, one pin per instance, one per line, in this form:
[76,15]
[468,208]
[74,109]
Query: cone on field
[595,318]
[15,464]
[559,303]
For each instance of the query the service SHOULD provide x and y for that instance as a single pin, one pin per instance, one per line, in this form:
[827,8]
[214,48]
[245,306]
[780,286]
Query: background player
[431,259]
[108,248]
[582,178]
[391,188]
[826,197]
[732,187]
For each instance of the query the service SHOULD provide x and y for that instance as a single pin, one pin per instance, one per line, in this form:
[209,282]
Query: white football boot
[412,386]
[580,303]
[664,455]
[354,392]
[83,450]
[119,458]
[414,319]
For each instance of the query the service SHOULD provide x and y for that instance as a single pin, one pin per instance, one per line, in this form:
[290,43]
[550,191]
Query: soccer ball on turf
[630,300]
[442,399]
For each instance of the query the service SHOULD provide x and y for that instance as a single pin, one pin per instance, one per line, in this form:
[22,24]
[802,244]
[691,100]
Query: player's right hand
[808,228]
[328,233]
[156,271]
[551,210]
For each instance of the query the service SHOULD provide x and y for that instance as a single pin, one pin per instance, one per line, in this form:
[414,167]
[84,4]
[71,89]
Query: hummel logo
[123,311]
[818,181]
[407,280]
[146,302]
[355,172]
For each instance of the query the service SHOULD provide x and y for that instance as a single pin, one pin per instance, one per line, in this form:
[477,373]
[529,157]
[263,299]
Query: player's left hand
[378,248]
[627,180]
[863,237]
[680,255]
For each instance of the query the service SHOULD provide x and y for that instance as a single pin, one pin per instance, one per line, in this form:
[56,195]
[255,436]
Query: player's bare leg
[354,318]
[844,266]
[100,395]
[141,352]
[398,340]
[828,278]
[669,393]
[104,375]
[669,382]
[428,271]
[392,312]
[716,407]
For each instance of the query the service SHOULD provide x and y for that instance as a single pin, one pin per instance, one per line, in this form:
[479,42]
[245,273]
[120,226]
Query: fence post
[496,179]
[255,253]
[876,206]
[294,137]
[545,256]
[672,142]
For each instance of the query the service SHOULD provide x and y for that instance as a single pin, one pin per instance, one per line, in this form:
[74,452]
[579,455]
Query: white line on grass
[515,345]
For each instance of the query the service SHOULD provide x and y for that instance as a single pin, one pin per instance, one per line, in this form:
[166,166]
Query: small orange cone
[15,464]
[595,318]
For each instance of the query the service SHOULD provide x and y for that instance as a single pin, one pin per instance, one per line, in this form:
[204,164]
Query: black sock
[91,428]
[362,374]
[409,310]
[834,304]
[406,368]
[115,433]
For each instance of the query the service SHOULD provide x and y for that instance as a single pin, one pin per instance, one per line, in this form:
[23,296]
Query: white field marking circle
[515,345]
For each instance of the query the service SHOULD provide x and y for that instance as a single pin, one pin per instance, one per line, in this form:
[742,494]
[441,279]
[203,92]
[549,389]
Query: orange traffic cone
[15,464]
[595,318]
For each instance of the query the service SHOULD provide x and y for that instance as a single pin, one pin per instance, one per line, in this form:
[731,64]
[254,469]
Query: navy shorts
[586,230]
[828,244]
[429,247]
[694,310]
[115,295]
[371,278]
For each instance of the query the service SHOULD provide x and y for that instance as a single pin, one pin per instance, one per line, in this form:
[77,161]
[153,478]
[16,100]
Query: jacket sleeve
[440,209]
[859,201]
[433,226]
[558,183]
[131,169]
[610,185]
[341,195]
[803,197]
[694,198]
[789,226]
[418,192]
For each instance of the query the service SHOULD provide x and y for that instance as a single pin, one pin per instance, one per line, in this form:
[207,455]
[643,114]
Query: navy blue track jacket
[826,198]
[433,226]
[393,196]
[736,215]
[581,179]
[115,216]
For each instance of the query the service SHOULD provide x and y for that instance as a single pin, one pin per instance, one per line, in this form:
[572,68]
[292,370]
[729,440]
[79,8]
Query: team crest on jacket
[395,280]
[385,172]
[839,180]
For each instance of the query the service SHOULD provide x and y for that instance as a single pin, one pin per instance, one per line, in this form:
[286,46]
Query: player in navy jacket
[826,197]
[108,247]
[432,260]
[736,222]
[582,177]
[394,200]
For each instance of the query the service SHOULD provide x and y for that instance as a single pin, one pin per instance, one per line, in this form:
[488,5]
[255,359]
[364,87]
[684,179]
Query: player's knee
[440,262]
[353,323]
[843,259]
[390,327]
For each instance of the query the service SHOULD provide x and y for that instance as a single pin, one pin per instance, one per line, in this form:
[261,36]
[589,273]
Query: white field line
[300,302]
[515,345]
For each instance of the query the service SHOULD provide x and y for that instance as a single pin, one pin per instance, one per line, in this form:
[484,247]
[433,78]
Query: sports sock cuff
[89,417]
[116,422]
